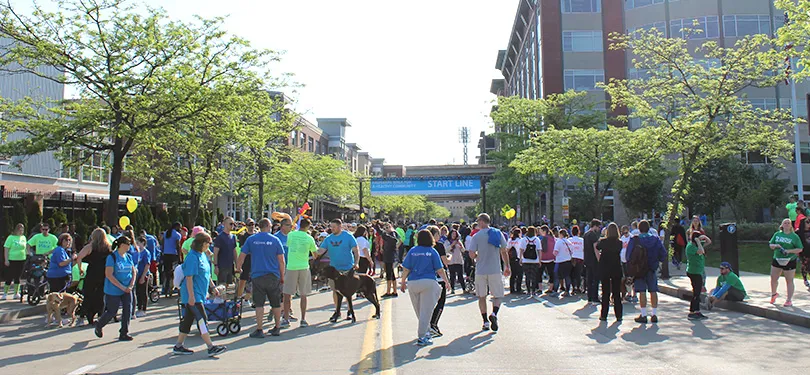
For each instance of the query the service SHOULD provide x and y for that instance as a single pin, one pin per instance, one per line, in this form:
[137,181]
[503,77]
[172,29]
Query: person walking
[343,255]
[298,278]
[144,260]
[514,245]
[267,272]
[120,272]
[488,249]
[60,267]
[549,240]
[363,248]
[14,260]
[420,267]
[695,268]
[44,242]
[530,260]
[677,243]
[171,257]
[786,246]
[193,289]
[443,284]
[610,269]
[653,254]
[456,265]
[96,253]
[244,275]
[225,253]
[590,240]
[390,245]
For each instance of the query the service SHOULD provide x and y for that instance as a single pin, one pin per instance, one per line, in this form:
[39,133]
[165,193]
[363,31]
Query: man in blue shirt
[225,253]
[341,247]
[267,272]
[286,228]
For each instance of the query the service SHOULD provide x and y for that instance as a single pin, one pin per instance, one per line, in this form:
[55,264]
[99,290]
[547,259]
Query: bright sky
[407,74]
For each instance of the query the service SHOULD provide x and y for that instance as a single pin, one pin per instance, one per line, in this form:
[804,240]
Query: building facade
[560,45]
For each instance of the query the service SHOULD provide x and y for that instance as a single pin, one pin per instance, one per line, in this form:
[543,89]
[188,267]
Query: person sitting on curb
[729,287]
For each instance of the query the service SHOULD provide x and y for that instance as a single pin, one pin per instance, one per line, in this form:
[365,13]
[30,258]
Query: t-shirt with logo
[16,247]
[577,247]
[527,243]
[43,244]
[788,242]
[122,271]
[300,245]
[339,248]
[264,249]
[562,250]
[422,262]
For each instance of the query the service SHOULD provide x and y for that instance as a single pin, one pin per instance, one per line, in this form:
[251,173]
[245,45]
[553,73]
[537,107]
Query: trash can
[729,252]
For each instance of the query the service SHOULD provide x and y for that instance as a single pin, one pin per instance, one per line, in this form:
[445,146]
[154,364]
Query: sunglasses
[251,224]
[724,268]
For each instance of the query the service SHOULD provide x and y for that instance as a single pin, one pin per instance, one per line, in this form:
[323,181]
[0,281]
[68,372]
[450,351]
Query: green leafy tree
[642,189]
[796,32]
[59,217]
[304,177]
[18,215]
[136,71]
[34,215]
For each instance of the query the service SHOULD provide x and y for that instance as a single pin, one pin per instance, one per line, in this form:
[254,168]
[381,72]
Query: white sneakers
[140,314]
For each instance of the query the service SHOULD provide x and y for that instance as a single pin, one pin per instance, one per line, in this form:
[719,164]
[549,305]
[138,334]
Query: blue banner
[426,186]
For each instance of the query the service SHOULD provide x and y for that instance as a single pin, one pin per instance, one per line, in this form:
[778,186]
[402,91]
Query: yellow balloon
[362,215]
[132,205]
[510,214]
[123,221]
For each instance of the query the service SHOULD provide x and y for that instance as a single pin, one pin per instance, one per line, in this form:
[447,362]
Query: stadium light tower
[464,138]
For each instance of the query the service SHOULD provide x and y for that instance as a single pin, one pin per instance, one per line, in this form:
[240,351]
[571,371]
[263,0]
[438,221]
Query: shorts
[494,282]
[788,267]
[194,313]
[245,274]
[225,275]
[389,271]
[297,281]
[648,283]
[267,287]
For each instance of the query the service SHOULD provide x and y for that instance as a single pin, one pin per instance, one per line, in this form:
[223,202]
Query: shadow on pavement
[700,331]
[644,334]
[603,333]
[75,348]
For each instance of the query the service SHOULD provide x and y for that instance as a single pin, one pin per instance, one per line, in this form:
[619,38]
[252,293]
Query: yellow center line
[367,353]
[387,345]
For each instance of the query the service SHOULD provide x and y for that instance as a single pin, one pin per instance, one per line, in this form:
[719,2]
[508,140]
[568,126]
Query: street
[536,336]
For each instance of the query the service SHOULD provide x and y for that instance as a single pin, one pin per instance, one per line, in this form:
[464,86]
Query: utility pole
[464,138]
[361,194]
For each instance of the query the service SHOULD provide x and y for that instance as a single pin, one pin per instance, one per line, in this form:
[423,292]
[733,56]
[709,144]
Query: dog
[347,285]
[55,302]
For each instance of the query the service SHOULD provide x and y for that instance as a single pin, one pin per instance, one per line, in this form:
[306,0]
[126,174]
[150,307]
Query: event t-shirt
[144,259]
[577,247]
[196,265]
[186,246]
[16,247]
[122,271]
[339,249]
[538,246]
[562,250]
[788,242]
[152,246]
[401,234]
[170,243]
[423,262]
[54,269]
[695,263]
[514,244]
[489,256]
[226,242]
[264,249]
[300,245]
[363,246]
[732,280]
[43,244]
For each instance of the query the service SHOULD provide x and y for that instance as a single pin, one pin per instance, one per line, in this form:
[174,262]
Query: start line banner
[425,186]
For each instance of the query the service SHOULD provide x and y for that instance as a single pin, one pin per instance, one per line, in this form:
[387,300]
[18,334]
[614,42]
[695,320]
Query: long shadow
[603,333]
[585,311]
[644,334]
[77,346]
[702,332]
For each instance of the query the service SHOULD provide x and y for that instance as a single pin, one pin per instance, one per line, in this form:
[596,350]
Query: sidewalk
[759,292]
[12,309]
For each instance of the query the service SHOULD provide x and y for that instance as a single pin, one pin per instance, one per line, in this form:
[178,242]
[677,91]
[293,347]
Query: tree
[136,71]
[34,215]
[697,105]
[642,189]
[18,216]
[304,177]
[796,32]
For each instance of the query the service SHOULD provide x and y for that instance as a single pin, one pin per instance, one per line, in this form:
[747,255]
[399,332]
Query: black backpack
[531,250]
[637,265]
[513,253]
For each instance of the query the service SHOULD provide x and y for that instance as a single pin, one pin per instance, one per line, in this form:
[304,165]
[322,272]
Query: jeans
[424,295]
[697,286]
[592,281]
[111,304]
[516,279]
[532,271]
[456,274]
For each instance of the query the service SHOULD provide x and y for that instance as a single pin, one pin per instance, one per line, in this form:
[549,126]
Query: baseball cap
[726,265]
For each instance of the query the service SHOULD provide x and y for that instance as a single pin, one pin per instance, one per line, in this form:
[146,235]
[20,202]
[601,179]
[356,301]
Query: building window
[581,6]
[631,4]
[769,103]
[756,157]
[311,145]
[583,79]
[294,138]
[660,26]
[582,41]
[303,140]
[804,148]
[746,25]
[93,169]
[707,27]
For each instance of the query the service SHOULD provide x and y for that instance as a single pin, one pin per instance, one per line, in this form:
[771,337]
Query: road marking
[387,344]
[367,357]
[83,370]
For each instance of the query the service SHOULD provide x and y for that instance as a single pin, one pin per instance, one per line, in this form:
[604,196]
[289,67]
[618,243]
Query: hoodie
[655,249]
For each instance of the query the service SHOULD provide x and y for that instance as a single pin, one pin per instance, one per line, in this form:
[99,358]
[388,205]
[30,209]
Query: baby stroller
[469,281]
[36,284]
[228,313]
[153,291]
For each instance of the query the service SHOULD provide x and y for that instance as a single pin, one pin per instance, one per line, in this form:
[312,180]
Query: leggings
[697,286]
[563,274]
[111,304]
[169,262]
[140,292]
[437,311]
[364,265]
[548,268]
[14,271]
[456,274]
[612,286]
[532,272]
[805,266]
[516,278]
[193,314]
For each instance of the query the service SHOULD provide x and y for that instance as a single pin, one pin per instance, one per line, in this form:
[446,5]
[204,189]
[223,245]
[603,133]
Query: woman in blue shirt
[144,259]
[120,279]
[170,257]
[193,289]
[419,271]
[60,268]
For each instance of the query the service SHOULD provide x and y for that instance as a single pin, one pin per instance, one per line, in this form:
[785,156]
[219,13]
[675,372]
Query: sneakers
[275,331]
[773,298]
[693,316]
[257,334]
[125,337]
[451,292]
[140,314]
[788,304]
[493,320]
[435,332]
[807,283]
[97,331]
[293,319]
[79,322]
[701,316]
[485,327]
[424,341]
[285,323]
[303,323]
[654,319]
[641,319]
[216,349]
[181,350]
[17,296]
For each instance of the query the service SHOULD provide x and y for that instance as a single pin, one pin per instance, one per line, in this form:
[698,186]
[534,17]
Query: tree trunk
[260,172]
[194,203]
[551,203]
[597,203]
[111,216]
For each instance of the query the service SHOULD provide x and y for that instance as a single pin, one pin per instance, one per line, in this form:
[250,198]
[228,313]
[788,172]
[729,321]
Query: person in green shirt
[14,260]
[729,286]
[44,242]
[786,246]
[298,277]
[695,267]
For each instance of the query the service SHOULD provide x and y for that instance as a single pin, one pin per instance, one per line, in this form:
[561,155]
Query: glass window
[294,137]
[706,27]
[804,148]
[741,25]
[303,143]
[631,4]
[582,79]
[310,145]
[582,41]
[581,6]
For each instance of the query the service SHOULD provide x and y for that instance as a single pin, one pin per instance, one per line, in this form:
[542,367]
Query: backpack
[637,265]
[513,255]
[531,250]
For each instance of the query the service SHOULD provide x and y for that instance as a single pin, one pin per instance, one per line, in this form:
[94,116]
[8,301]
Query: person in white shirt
[634,229]
[363,248]
[563,253]
[513,248]
[577,259]
[530,247]
[625,238]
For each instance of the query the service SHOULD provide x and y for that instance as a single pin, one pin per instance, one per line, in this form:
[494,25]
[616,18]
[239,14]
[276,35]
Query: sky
[406,74]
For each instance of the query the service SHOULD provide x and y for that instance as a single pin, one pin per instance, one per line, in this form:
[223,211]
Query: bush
[34,216]
[756,231]
[18,215]
[59,217]
[90,218]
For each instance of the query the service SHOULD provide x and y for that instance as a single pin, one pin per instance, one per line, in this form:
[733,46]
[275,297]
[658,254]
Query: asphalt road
[537,336]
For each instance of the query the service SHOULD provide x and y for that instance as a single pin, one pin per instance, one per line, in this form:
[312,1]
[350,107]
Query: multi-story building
[364,164]
[559,45]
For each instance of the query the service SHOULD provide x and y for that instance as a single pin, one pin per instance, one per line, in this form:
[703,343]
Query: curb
[10,316]
[741,307]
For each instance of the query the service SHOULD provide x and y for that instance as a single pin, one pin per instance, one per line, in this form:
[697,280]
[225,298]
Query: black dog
[349,284]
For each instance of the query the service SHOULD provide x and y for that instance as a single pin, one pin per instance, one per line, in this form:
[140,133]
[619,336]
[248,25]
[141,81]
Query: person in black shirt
[677,243]
[244,276]
[391,243]
[591,263]
[610,268]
